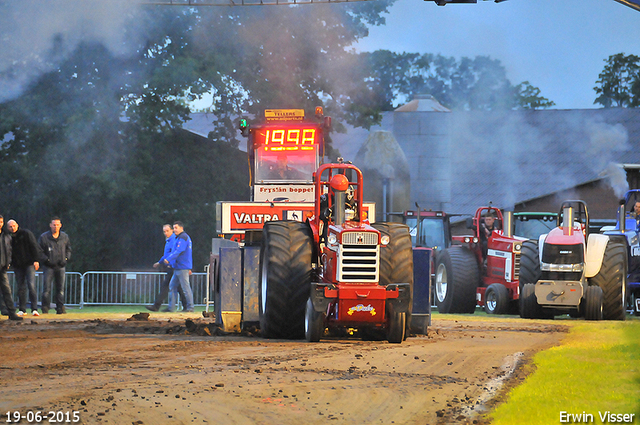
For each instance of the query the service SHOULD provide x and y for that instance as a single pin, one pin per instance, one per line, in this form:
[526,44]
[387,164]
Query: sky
[559,46]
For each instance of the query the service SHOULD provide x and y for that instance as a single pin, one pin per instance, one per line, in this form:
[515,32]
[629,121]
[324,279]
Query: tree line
[98,140]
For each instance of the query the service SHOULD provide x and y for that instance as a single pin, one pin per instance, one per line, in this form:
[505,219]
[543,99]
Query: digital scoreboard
[287,138]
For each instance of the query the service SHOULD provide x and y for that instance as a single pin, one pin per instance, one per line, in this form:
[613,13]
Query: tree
[466,84]
[98,139]
[618,84]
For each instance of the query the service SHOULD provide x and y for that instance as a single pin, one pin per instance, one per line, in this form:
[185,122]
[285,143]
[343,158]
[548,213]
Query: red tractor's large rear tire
[457,277]
[612,278]
[593,309]
[285,278]
[396,259]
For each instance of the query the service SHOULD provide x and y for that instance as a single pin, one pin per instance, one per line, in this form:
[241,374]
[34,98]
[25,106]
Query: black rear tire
[313,323]
[612,278]
[396,260]
[285,278]
[594,309]
[496,299]
[457,277]
[396,327]
[529,264]
[529,307]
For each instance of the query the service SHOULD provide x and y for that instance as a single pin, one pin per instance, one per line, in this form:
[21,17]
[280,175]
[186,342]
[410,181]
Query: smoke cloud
[36,36]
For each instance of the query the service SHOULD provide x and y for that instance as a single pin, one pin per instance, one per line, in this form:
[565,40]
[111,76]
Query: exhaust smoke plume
[515,157]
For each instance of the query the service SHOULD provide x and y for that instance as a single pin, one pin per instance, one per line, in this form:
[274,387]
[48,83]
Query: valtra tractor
[303,241]
[481,270]
[578,273]
[336,271]
[627,229]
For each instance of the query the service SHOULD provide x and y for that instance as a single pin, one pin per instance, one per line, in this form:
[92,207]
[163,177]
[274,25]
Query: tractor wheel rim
[491,301]
[441,283]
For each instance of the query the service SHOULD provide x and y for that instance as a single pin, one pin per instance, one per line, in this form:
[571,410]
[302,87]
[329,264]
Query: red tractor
[335,271]
[483,268]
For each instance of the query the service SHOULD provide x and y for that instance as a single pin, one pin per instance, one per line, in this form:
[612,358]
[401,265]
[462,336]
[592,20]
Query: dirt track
[131,372]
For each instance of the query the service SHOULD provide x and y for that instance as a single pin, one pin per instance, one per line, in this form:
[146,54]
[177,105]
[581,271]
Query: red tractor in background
[481,269]
[336,271]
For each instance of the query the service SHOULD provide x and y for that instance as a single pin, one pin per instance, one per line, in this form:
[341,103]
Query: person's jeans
[180,278]
[5,288]
[164,291]
[57,276]
[26,280]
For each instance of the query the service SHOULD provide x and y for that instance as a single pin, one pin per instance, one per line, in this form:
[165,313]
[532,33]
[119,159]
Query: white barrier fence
[114,288]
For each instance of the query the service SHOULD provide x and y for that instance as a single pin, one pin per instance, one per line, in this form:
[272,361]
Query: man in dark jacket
[5,262]
[57,251]
[26,254]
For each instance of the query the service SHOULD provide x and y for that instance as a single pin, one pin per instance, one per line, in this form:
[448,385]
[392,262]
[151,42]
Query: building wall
[599,197]
[425,139]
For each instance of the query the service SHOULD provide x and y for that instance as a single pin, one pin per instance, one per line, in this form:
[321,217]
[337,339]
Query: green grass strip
[595,370]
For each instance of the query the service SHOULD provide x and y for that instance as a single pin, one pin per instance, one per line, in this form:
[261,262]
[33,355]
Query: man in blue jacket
[180,259]
[170,240]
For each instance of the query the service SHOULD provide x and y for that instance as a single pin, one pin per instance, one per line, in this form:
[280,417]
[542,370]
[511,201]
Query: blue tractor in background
[628,225]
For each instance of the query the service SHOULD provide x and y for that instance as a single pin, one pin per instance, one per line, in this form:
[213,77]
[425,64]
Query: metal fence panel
[114,288]
[72,287]
[132,288]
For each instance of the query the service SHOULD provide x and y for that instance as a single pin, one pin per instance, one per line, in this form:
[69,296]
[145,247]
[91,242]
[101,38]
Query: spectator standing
[25,256]
[170,239]
[180,259]
[5,262]
[57,251]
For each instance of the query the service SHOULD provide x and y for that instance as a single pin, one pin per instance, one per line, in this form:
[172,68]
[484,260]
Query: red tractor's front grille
[358,263]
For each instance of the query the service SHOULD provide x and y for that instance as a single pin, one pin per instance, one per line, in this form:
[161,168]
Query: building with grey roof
[526,159]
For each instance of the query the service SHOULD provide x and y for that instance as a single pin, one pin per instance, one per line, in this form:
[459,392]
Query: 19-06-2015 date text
[38,416]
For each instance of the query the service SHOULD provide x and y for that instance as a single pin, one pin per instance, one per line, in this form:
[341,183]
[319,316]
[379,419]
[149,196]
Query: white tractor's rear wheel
[529,265]
[612,278]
